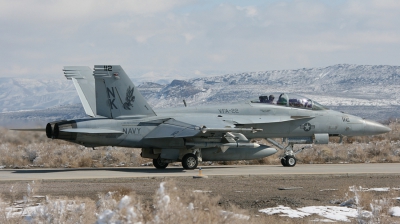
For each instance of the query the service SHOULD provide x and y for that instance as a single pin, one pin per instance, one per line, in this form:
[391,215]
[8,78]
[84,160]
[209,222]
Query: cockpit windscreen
[290,100]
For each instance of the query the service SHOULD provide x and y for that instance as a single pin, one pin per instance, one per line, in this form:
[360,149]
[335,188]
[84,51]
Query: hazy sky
[190,38]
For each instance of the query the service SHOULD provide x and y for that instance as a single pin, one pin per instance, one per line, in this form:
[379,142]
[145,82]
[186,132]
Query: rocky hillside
[364,90]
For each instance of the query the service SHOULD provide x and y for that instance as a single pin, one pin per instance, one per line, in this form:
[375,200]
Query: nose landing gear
[288,159]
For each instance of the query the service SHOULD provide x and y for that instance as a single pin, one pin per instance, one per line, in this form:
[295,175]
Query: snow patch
[395,211]
[379,189]
[328,190]
[330,213]
[201,191]
[285,211]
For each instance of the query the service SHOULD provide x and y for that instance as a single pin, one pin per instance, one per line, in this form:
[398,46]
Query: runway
[135,172]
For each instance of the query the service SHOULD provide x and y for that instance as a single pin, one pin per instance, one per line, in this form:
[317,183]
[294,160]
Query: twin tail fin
[116,95]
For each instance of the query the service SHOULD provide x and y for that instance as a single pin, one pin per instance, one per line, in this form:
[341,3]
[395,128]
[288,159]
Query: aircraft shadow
[125,169]
[128,170]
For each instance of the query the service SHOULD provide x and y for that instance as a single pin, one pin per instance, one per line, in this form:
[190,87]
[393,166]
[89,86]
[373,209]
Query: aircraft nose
[375,128]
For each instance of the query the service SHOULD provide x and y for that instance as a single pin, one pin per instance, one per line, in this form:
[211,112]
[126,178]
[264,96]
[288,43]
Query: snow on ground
[201,191]
[329,189]
[343,213]
[26,209]
[330,213]
[395,211]
[285,211]
[334,212]
[382,189]
[327,213]
[22,211]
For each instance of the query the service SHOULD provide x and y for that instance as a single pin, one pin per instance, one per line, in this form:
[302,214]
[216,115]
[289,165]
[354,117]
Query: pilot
[271,99]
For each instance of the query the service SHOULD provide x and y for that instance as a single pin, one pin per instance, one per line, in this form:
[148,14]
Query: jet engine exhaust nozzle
[54,130]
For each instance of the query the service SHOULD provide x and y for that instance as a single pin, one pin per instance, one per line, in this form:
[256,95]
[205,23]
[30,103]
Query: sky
[180,39]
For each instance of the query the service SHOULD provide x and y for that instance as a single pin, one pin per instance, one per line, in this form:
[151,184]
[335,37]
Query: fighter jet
[120,116]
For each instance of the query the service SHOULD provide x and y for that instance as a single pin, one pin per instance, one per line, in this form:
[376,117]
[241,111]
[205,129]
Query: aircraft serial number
[229,111]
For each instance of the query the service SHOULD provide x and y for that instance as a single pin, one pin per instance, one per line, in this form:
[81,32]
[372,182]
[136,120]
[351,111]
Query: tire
[283,162]
[290,161]
[158,164]
[190,161]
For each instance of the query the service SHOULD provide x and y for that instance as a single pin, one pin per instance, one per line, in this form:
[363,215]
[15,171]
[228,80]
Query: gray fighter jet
[122,117]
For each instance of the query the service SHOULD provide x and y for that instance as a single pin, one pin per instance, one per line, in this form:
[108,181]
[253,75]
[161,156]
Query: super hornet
[122,117]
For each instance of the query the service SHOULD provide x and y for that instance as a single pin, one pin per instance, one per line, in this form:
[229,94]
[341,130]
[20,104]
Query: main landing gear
[288,161]
[190,161]
[159,163]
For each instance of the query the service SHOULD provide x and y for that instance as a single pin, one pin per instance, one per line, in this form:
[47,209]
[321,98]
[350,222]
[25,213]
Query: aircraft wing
[263,119]
[228,134]
[202,125]
[172,128]
[212,121]
[195,126]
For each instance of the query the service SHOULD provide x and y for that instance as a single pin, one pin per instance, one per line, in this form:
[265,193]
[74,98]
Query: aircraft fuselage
[275,122]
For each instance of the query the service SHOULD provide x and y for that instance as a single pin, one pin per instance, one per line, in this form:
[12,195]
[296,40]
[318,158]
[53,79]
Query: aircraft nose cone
[374,128]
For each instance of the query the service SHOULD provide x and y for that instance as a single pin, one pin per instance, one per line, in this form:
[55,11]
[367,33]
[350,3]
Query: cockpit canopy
[290,100]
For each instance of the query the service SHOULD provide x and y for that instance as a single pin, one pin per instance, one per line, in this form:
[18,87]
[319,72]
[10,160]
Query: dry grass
[34,149]
[170,205]
[378,203]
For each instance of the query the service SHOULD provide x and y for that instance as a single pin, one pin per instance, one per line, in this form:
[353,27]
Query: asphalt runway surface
[250,170]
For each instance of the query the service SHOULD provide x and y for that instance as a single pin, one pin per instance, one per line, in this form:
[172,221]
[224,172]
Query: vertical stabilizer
[116,96]
[82,77]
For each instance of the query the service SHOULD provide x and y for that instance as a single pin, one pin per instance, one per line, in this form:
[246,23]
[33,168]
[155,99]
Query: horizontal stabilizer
[91,131]
[29,129]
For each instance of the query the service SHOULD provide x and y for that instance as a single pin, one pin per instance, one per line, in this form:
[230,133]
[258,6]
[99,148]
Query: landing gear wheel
[190,161]
[290,161]
[159,164]
[283,161]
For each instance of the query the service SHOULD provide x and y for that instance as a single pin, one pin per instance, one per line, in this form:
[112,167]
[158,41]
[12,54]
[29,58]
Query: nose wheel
[288,159]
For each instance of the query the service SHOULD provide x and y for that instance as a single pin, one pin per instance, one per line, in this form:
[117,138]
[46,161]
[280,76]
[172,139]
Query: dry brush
[34,149]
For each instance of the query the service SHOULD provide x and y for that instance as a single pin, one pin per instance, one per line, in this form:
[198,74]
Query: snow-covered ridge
[340,85]
[27,94]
